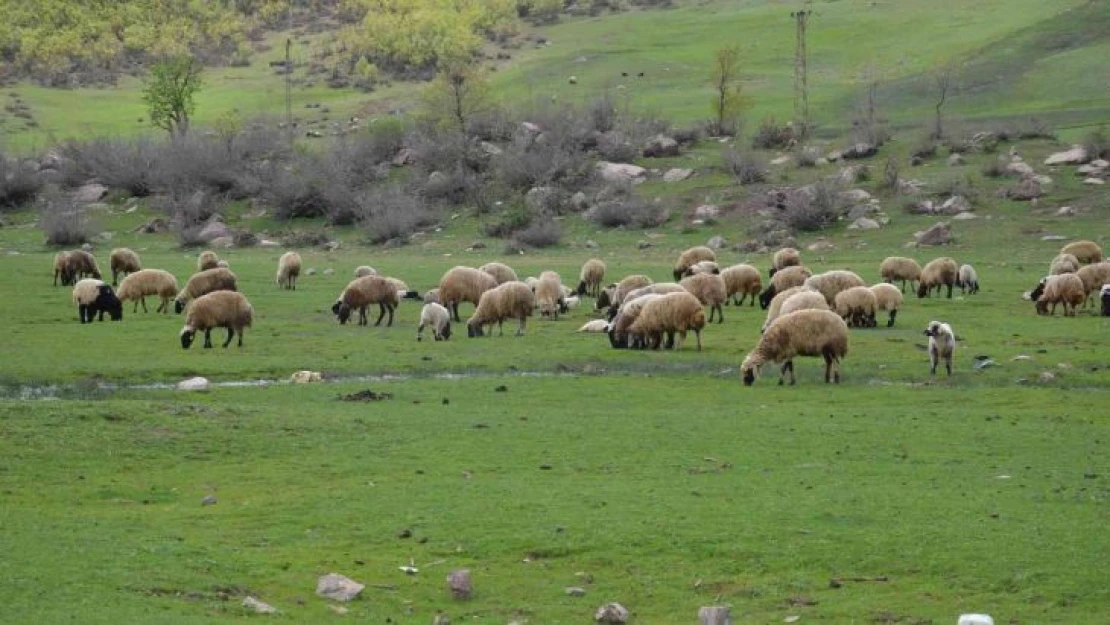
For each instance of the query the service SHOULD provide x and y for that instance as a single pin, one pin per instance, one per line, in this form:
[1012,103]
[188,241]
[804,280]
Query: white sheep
[967,279]
[742,280]
[690,257]
[93,298]
[137,286]
[438,319]
[888,298]
[501,272]
[207,260]
[590,277]
[289,267]
[942,344]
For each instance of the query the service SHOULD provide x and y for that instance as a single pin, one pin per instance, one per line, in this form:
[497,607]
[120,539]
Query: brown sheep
[938,273]
[512,300]
[591,277]
[1086,252]
[894,268]
[804,299]
[549,295]
[360,293]
[710,290]
[774,307]
[501,272]
[857,306]
[705,266]
[742,280]
[1093,276]
[203,283]
[137,286]
[1066,289]
[786,257]
[628,284]
[123,261]
[207,260]
[670,314]
[1063,263]
[625,317]
[463,284]
[62,270]
[82,265]
[785,278]
[801,333]
[832,282]
[888,298]
[219,309]
[690,257]
[289,268]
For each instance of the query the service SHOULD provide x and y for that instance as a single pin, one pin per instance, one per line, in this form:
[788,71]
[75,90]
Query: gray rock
[530,128]
[781,160]
[1019,168]
[436,178]
[331,246]
[154,226]
[1023,191]
[859,150]
[541,199]
[1046,376]
[707,211]
[820,246]
[215,228]
[222,243]
[939,234]
[458,582]
[1077,155]
[661,146]
[863,223]
[956,160]
[986,363]
[591,244]
[863,210]
[953,205]
[268,243]
[1054,237]
[338,587]
[257,606]
[209,500]
[403,157]
[1065,211]
[964,216]
[311,271]
[611,613]
[716,242]
[89,193]
[677,175]
[621,172]
[643,245]
[579,202]
[193,384]
[575,591]
[489,148]
[855,196]
[1094,181]
[329,271]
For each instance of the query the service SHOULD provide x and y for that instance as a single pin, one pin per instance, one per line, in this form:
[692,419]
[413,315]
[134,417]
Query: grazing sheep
[774,308]
[596,326]
[710,290]
[365,270]
[669,314]
[207,260]
[223,264]
[137,286]
[289,267]
[438,319]
[623,320]
[1063,263]
[938,273]
[431,296]
[705,266]
[742,280]
[942,344]
[123,261]
[1086,251]
[203,283]
[658,288]
[1066,289]
[463,284]
[531,281]
[605,297]
[804,299]
[218,309]
[785,278]
[501,272]
[629,283]
[832,282]
[690,257]
[512,300]
[571,302]
[1093,276]
[889,298]
[549,295]
[82,265]
[967,279]
[786,257]
[93,298]
[403,290]
[800,333]
[1104,295]
[591,277]
[857,306]
[62,269]
[360,293]
[900,268]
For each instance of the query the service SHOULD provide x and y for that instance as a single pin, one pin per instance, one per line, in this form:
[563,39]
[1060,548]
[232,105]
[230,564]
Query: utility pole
[801,91]
[289,85]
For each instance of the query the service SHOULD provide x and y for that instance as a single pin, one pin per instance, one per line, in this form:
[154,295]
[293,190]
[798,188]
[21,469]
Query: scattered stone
[1054,237]
[215,229]
[781,160]
[306,377]
[643,245]
[707,211]
[910,187]
[1019,168]
[209,500]
[1077,155]
[986,363]
[1041,179]
[154,226]
[975,619]
[573,80]
[579,202]
[956,160]
[611,613]
[591,244]
[403,157]
[863,223]
[311,271]
[458,582]
[257,606]
[621,172]
[338,609]
[661,146]
[964,216]
[338,587]
[851,174]
[222,243]
[87,247]
[955,204]
[268,243]
[677,175]
[531,128]
[1046,376]
[1094,181]
[855,196]
[540,199]
[938,234]
[859,150]
[575,591]
[820,246]
[1024,191]
[716,242]
[441,619]
[89,193]
[1021,357]
[715,615]
[490,149]
[193,384]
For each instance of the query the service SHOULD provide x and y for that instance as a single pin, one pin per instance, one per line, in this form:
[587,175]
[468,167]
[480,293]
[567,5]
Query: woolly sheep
[786,257]
[785,278]
[360,293]
[596,326]
[804,299]
[123,261]
[501,272]
[1104,295]
[531,281]
[431,296]
[705,266]
[1093,276]
[223,264]
[1066,289]
[800,333]
[605,297]
[942,344]
[629,283]
[967,279]
[1063,263]
[82,264]
[137,286]
[463,284]
[629,311]
[289,267]
[207,260]
[403,290]
[832,282]
[1086,251]
[438,319]
[690,257]
[894,268]
[888,298]
[857,306]
[938,273]
[571,302]
[591,277]
[710,290]
[670,314]
[218,309]
[774,308]
[549,296]
[742,280]
[203,283]
[512,300]
[93,298]
[62,269]
[659,288]
[365,270]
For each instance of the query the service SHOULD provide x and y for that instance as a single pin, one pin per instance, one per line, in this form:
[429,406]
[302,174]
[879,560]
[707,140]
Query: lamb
[942,344]
[690,257]
[742,280]
[438,319]
[591,277]
[137,286]
[671,313]
[832,282]
[1066,289]
[207,260]
[365,270]
[939,272]
[431,296]
[596,326]
[1104,295]
[1093,276]
[512,300]
[786,257]
[289,267]
[705,266]
[785,278]
[123,261]
[900,268]
[1086,251]
[549,295]
[203,283]
[967,279]
[219,309]
[857,306]
[62,269]
[463,284]
[889,298]
[360,293]
[623,320]
[800,333]
[501,272]
[82,264]
[93,298]
[1063,263]
[804,299]
[710,290]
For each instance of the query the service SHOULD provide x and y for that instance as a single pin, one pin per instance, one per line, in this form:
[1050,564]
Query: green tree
[728,99]
[169,92]
[459,92]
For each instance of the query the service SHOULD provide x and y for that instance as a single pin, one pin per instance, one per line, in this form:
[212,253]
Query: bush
[689,135]
[963,186]
[927,148]
[379,143]
[544,233]
[1036,128]
[806,156]
[510,221]
[891,176]
[305,238]
[619,206]
[994,169]
[746,167]
[601,114]
[391,214]
[20,183]
[129,166]
[808,211]
[1097,143]
[615,147]
[771,136]
[64,223]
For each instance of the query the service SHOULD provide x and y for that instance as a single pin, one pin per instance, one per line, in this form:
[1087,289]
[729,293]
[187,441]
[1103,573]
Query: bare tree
[942,82]
[728,100]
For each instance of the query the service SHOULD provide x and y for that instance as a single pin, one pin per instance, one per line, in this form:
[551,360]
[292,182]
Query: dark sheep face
[344,313]
[411,295]
[581,290]
[766,296]
[1037,291]
[748,375]
[178,306]
[922,290]
[604,300]
[335,307]
[107,301]
[473,330]
[447,331]
[187,337]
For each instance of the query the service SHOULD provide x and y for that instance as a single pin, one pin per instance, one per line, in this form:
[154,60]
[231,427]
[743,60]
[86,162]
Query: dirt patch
[366,395]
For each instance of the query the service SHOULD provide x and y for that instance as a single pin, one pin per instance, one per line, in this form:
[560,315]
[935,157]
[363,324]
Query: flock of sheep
[807,314]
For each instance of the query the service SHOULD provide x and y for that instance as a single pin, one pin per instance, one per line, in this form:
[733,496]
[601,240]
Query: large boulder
[193,384]
[660,146]
[954,205]
[1024,191]
[707,211]
[89,193]
[677,175]
[338,587]
[863,223]
[855,196]
[621,172]
[1077,155]
[215,228]
[939,234]
[1019,168]
[859,150]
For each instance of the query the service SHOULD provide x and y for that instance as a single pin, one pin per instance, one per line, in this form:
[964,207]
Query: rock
[573,80]
[403,157]
[530,128]
[1021,357]
[910,187]
[1094,181]
[986,363]
[855,196]
[477,245]
[834,156]
[939,234]
[331,246]
[441,619]
[1023,191]
[1046,376]
[489,148]
[714,615]
[311,271]
[87,247]
[717,242]
[193,384]
[591,244]
[541,199]
[642,245]
[859,150]
[975,619]
[953,205]
[1065,211]
[268,243]
[1054,237]
[864,223]
[305,377]
[436,178]
[707,211]
[820,246]
[851,174]
[89,193]
[677,175]
[209,500]
[579,202]
[222,243]
[863,210]
[916,161]
[621,172]
[781,160]
[964,216]
[661,146]
[257,606]
[338,587]
[215,228]
[575,591]
[329,271]
[1019,168]
[1077,155]
[458,582]
[154,226]
[1041,179]
[956,160]
[611,613]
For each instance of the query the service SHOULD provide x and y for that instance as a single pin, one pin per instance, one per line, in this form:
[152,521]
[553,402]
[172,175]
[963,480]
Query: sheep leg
[115,278]
[948,363]
[720,313]
[697,335]
[932,363]
[391,308]
[520,327]
[81,312]
[782,372]
[208,338]
[381,314]
[949,290]
[890,322]
[500,327]
[143,300]
[231,335]
[455,310]
[240,337]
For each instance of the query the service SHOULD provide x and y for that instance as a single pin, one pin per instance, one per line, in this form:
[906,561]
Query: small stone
[305,377]
[611,613]
[855,196]
[1077,155]
[793,618]
[677,175]
[1021,357]
[591,245]
[1054,237]
[573,80]
[863,223]
[955,160]
[964,216]
[938,234]
[579,202]
[458,582]
[716,243]
[193,384]
[643,245]
[329,271]
[1094,181]
[975,619]
[1046,376]
[209,500]
[311,271]
[986,363]
[1065,211]
[257,606]
[338,609]
[820,246]
[575,591]
[782,160]
[441,619]
[338,587]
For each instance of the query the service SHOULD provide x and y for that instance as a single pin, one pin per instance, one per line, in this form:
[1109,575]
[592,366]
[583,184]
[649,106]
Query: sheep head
[473,329]
[178,306]
[187,336]
[766,296]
